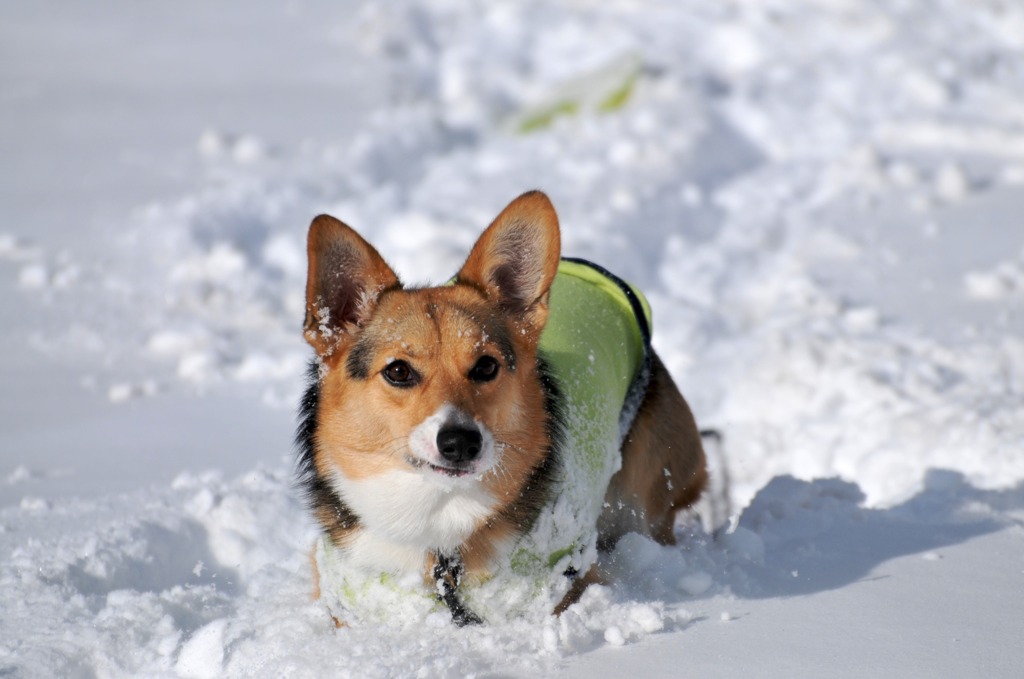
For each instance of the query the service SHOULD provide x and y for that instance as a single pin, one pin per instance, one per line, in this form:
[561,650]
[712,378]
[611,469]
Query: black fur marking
[447,576]
[537,490]
[358,362]
[506,279]
[495,329]
[499,335]
[334,515]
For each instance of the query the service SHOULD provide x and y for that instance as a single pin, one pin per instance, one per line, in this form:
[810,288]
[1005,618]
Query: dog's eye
[485,370]
[400,374]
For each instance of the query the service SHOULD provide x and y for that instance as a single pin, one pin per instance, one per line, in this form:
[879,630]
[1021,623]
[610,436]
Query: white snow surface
[821,198]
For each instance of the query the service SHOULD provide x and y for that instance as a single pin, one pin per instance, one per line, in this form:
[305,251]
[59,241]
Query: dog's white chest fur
[405,514]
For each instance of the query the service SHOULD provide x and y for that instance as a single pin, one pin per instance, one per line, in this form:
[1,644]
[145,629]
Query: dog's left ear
[515,260]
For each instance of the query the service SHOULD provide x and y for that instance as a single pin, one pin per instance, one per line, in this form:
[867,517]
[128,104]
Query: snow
[820,198]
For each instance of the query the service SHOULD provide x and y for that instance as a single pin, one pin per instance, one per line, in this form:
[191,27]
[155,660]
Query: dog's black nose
[459,445]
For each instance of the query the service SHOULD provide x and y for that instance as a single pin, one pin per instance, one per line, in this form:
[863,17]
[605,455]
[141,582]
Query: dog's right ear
[346,276]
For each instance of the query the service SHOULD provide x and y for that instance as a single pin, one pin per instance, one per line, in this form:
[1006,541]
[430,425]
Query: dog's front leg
[446,574]
[579,585]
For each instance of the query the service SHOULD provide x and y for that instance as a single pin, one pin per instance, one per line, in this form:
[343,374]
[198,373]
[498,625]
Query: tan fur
[316,574]
[663,466]
[358,314]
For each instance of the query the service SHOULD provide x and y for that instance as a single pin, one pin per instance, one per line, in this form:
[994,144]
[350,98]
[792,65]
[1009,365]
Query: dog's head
[442,381]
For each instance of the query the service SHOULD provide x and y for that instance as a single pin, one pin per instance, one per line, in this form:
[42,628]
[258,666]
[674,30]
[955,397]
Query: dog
[513,422]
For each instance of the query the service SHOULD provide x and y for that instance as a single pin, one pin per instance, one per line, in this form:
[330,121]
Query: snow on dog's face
[431,410]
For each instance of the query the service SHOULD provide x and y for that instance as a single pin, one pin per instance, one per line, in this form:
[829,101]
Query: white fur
[370,552]
[423,439]
[406,512]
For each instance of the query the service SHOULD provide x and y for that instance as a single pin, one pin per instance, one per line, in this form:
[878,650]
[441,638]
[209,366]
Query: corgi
[501,429]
